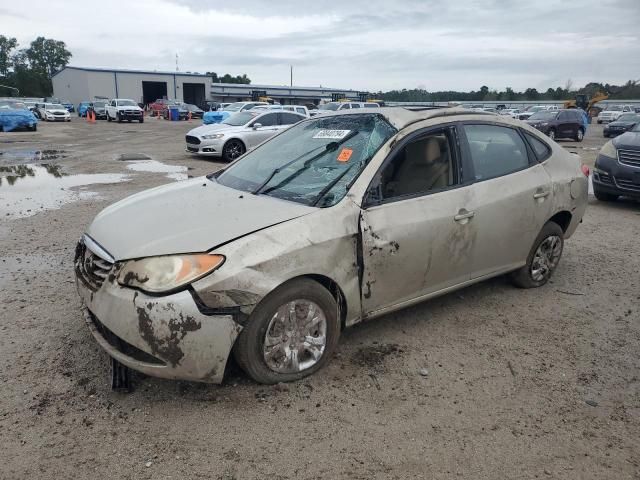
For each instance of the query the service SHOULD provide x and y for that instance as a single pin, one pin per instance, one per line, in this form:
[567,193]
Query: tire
[251,350]
[529,276]
[118,117]
[605,135]
[108,117]
[552,134]
[232,150]
[142,120]
[579,135]
[603,196]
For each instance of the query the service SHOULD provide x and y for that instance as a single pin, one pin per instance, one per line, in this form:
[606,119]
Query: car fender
[323,243]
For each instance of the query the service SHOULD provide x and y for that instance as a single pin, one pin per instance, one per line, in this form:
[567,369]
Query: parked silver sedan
[341,218]
[240,132]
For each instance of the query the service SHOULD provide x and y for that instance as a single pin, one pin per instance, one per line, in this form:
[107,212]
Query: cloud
[366,45]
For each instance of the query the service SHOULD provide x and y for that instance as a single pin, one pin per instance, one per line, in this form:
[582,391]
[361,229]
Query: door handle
[541,194]
[463,215]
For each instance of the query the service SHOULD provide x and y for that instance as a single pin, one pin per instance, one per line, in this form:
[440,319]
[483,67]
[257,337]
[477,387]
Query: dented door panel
[414,247]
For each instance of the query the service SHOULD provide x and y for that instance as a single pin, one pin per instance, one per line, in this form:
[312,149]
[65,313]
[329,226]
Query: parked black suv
[624,123]
[559,123]
[617,170]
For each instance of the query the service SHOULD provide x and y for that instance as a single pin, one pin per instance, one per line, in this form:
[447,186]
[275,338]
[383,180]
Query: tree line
[630,90]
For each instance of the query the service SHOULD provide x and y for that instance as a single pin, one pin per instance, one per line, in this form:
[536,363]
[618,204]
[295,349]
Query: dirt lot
[519,384]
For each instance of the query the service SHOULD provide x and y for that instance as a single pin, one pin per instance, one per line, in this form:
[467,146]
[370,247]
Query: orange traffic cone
[88,115]
[93,116]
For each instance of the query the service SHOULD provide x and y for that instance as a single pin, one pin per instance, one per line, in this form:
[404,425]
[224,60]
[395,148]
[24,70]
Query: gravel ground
[488,382]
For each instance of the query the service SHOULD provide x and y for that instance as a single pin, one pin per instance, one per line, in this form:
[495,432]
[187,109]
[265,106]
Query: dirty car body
[371,212]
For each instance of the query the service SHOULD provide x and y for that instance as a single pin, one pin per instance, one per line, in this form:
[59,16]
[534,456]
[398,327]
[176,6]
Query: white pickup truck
[611,113]
[124,109]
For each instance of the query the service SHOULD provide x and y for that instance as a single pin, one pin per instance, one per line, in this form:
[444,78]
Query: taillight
[585,170]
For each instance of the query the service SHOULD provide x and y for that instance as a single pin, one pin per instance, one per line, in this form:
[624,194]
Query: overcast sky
[361,44]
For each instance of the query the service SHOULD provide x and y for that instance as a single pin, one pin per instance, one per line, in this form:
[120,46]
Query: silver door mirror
[257,126]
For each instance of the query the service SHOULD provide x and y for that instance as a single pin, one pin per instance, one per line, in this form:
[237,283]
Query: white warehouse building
[77,84]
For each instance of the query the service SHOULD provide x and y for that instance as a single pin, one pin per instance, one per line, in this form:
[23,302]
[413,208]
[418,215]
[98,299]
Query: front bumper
[616,179]
[161,336]
[130,115]
[208,148]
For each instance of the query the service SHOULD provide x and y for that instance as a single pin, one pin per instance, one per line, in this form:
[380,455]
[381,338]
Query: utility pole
[177,69]
[291,74]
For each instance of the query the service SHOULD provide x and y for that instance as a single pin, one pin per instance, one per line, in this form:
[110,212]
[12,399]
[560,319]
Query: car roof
[401,117]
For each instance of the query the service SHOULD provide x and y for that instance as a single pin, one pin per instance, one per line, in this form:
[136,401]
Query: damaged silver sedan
[339,219]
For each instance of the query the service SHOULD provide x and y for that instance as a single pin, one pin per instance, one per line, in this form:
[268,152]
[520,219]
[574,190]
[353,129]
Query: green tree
[7,44]
[47,56]
[531,94]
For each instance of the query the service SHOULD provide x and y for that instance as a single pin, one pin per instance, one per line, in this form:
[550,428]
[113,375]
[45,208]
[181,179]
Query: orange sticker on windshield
[345,155]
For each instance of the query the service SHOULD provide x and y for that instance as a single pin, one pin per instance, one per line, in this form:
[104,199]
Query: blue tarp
[215,117]
[82,108]
[10,119]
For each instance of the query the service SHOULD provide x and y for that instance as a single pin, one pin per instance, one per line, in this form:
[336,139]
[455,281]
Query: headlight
[162,274]
[609,150]
[213,136]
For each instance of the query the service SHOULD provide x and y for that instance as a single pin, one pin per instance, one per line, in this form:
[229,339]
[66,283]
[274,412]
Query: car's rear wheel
[542,259]
[552,134]
[232,150]
[603,196]
[579,135]
[290,334]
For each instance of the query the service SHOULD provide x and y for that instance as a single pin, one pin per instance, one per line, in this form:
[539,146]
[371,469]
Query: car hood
[206,129]
[630,140]
[621,124]
[185,217]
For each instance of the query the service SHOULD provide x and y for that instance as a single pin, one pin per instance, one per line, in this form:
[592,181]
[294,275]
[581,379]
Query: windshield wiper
[331,184]
[277,170]
[328,148]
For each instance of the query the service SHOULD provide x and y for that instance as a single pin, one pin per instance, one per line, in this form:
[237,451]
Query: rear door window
[495,150]
[355,105]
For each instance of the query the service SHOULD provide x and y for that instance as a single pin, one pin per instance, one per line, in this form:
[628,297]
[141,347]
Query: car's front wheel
[290,334]
[552,134]
[579,135]
[542,259]
[232,150]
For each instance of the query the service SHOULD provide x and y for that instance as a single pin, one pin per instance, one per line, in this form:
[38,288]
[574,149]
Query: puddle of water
[126,157]
[30,156]
[174,172]
[28,189]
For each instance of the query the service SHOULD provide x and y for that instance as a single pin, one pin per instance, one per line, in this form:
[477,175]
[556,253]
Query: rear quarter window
[541,150]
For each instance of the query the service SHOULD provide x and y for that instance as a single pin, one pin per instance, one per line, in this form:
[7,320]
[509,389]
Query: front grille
[626,184]
[92,269]
[121,345]
[193,140]
[629,157]
[192,149]
[604,177]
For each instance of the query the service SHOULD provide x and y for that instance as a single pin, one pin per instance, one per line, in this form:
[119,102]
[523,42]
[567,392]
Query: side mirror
[257,126]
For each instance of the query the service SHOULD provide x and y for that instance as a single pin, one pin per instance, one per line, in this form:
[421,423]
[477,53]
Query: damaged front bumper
[166,336]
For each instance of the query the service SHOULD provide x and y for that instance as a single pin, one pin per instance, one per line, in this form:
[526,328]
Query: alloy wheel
[546,257]
[296,337]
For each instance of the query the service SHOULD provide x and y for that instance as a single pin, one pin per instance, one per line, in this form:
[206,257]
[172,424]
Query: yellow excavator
[584,102]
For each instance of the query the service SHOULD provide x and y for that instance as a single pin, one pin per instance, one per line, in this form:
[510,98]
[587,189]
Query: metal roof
[120,70]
